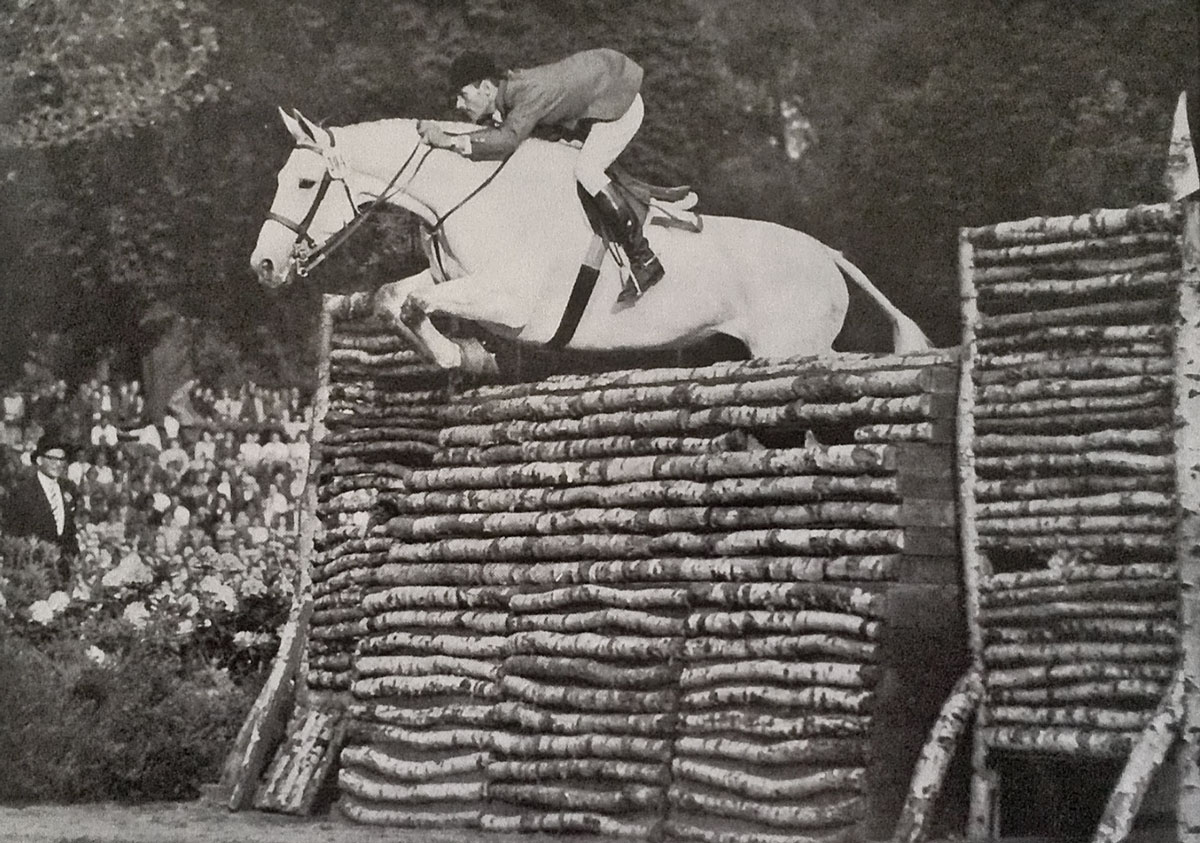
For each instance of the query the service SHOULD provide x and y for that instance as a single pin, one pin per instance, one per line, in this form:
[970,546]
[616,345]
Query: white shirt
[53,494]
[148,435]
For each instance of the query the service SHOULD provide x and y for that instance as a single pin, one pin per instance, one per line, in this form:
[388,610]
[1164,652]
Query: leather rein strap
[306,251]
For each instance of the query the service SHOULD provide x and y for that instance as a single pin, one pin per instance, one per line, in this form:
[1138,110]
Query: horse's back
[773,287]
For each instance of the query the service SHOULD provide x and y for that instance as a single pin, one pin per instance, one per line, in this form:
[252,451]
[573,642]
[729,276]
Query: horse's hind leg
[391,304]
[795,328]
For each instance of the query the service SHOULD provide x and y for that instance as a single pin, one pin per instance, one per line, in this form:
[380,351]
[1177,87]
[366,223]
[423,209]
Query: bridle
[306,252]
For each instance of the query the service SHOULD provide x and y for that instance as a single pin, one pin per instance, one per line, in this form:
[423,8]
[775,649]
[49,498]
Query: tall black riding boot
[623,225]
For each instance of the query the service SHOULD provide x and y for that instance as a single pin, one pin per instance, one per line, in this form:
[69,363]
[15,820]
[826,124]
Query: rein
[308,254]
[321,252]
[437,227]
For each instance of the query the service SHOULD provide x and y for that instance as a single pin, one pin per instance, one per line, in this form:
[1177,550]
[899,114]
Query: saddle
[669,207]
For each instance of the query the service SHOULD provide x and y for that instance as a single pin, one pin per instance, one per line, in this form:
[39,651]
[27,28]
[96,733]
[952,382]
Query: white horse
[507,252]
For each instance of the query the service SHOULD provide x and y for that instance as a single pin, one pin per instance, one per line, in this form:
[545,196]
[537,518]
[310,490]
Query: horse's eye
[305,184]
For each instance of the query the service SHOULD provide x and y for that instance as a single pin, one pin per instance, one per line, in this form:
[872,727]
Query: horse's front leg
[392,305]
[480,297]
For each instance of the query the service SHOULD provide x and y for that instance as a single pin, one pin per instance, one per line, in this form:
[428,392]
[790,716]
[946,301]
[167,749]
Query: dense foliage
[140,157]
[129,681]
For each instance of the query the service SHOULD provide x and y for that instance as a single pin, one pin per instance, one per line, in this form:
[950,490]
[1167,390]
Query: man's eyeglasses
[54,457]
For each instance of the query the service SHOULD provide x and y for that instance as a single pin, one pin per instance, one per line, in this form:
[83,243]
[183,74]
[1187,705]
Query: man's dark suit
[27,512]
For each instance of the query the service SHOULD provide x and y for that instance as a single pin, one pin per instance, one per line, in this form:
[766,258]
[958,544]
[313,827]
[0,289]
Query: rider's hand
[433,135]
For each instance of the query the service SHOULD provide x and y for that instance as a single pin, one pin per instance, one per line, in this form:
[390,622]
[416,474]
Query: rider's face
[477,100]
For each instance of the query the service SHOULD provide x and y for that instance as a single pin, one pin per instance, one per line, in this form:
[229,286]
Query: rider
[595,91]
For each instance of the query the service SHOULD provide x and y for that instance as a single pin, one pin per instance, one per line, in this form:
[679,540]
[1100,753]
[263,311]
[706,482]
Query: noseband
[306,252]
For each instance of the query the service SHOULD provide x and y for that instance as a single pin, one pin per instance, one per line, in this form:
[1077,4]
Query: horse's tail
[907,335]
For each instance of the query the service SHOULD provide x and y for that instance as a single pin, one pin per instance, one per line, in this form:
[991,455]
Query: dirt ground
[199,822]
[202,822]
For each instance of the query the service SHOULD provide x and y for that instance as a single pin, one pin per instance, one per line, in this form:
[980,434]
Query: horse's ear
[310,129]
[295,128]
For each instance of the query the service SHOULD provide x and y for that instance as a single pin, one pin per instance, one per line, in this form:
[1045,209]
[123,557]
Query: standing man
[42,504]
[594,92]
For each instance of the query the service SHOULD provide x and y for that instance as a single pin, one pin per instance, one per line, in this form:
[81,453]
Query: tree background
[139,139]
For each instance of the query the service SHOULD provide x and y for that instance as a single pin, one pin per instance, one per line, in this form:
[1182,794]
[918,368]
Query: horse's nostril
[265,267]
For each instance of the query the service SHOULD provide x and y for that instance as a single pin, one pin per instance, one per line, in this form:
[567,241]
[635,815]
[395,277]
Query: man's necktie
[56,503]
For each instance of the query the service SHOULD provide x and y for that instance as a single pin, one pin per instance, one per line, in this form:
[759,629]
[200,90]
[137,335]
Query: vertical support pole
[981,820]
[308,506]
[1187,476]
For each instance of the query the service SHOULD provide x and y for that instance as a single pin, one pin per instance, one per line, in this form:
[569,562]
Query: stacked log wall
[697,603]
[1075,491]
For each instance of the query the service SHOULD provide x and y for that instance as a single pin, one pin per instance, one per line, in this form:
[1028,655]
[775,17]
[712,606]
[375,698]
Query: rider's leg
[604,143]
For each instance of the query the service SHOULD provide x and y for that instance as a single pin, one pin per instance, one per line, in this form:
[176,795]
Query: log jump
[1077,447]
[701,604]
[653,603]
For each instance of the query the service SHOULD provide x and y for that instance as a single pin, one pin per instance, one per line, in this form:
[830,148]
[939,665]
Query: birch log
[800,817]
[629,798]
[1078,336]
[929,774]
[1029,252]
[1143,310]
[402,770]
[529,718]
[780,672]
[1155,282]
[730,491]
[781,646]
[434,715]
[832,459]
[642,520]
[705,833]
[583,746]
[371,813]
[1187,535]
[564,822]
[698,724]
[586,699]
[1084,368]
[1145,758]
[592,672]
[622,445]
[1088,717]
[578,768]
[1061,741]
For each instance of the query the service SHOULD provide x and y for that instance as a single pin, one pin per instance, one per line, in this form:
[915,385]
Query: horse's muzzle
[265,270]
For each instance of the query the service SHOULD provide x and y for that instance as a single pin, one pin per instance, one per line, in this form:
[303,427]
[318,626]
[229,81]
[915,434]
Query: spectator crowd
[224,469]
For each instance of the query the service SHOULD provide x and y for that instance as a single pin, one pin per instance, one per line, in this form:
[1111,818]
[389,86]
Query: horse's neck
[431,182]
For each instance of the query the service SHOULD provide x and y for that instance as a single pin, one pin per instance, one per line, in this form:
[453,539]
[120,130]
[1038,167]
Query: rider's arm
[527,106]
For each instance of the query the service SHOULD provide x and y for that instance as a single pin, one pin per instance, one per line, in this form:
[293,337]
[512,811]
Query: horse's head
[312,203]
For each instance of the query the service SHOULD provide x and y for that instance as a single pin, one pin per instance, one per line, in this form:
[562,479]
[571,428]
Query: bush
[133,729]
[130,683]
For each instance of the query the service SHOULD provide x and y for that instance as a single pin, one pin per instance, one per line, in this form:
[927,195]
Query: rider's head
[474,79]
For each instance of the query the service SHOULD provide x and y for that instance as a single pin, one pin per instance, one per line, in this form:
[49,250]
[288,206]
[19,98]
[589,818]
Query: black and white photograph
[663,421]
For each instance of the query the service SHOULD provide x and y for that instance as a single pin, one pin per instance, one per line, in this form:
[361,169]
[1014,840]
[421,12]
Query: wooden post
[981,820]
[1187,468]
[308,505]
[285,686]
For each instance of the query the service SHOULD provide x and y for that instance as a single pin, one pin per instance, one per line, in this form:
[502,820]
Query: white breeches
[606,140]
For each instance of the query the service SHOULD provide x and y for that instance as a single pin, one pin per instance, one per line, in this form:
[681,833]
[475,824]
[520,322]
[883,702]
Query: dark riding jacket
[586,86]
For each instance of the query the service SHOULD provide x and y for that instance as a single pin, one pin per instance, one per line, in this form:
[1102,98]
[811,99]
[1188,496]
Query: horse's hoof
[410,312]
[476,360]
